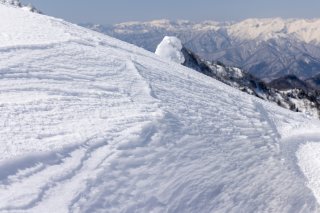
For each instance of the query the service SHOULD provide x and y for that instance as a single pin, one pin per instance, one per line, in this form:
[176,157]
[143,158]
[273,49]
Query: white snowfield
[92,124]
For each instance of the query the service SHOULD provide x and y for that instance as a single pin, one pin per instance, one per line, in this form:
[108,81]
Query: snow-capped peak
[170,48]
[265,29]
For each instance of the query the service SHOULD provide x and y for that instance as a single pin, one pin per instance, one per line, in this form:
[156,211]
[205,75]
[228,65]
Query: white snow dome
[170,48]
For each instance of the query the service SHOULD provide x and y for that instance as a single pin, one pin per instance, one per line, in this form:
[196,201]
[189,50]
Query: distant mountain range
[266,48]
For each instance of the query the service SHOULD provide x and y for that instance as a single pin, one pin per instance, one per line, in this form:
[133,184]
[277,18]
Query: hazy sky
[115,11]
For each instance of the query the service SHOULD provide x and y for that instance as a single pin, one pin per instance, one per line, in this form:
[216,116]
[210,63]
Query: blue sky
[115,11]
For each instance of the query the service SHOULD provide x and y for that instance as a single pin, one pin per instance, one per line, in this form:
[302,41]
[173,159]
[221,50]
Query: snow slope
[92,124]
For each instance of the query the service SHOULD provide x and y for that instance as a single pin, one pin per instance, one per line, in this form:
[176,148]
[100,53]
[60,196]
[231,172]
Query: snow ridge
[93,124]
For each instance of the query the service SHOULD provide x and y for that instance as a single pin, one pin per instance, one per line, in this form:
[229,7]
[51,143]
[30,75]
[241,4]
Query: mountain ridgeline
[266,48]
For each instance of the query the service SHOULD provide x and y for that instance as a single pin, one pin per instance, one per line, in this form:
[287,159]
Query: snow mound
[92,124]
[170,48]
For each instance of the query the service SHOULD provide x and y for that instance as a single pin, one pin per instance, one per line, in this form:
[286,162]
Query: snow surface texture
[170,48]
[92,124]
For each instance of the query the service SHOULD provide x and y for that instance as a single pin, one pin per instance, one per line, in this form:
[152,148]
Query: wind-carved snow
[309,160]
[92,124]
[170,48]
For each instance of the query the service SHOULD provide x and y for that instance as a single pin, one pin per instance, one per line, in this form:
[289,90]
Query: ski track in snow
[91,124]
